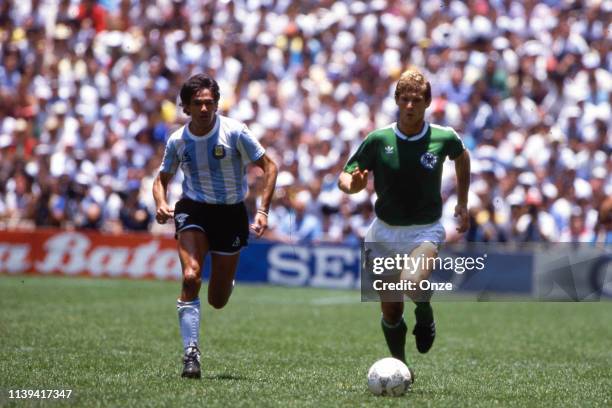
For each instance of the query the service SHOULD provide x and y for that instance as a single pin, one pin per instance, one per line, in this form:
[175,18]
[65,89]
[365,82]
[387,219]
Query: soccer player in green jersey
[406,160]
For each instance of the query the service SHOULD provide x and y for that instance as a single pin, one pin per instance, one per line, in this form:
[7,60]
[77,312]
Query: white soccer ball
[389,376]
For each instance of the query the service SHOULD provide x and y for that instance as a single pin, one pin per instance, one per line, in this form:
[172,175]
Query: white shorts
[380,231]
[384,240]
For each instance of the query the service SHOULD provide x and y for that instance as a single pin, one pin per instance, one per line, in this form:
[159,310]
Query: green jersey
[407,171]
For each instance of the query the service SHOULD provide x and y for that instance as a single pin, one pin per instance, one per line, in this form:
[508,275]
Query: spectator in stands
[134,215]
[298,225]
[92,14]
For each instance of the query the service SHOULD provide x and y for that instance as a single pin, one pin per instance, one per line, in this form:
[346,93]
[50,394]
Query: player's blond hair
[413,80]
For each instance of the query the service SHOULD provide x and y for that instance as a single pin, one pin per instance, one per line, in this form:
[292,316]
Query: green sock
[423,313]
[395,335]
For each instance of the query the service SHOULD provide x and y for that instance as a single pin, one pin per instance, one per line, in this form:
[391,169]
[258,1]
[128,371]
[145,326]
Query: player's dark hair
[197,83]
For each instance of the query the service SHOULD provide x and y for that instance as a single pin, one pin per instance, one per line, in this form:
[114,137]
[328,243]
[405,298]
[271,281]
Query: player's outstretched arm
[462,169]
[270,172]
[160,188]
[354,182]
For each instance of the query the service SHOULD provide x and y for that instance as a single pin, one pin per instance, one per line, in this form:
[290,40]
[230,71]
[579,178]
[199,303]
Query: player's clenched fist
[463,223]
[261,223]
[162,213]
[359,180]
[353,182]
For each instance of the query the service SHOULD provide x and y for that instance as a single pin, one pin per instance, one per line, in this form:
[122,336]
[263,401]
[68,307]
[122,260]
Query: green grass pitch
[117,343]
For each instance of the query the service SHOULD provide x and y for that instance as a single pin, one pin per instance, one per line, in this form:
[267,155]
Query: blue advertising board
[337,266]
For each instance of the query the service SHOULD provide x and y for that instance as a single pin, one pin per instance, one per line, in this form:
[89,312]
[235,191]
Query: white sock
[189,321]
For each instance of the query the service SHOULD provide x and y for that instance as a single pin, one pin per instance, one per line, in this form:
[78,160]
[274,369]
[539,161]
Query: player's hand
[359,180]
[260,224]
[163,213]
[461,212]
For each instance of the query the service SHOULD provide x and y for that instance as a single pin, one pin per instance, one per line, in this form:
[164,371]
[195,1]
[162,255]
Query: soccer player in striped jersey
[406,159]
[213,152]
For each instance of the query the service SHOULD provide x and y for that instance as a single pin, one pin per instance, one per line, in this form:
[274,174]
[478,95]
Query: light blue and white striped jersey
[214,165]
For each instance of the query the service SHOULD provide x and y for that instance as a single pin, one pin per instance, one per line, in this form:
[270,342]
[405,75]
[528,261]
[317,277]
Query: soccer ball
[389,376]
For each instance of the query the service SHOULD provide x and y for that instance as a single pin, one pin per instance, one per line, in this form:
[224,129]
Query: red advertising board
[88,254]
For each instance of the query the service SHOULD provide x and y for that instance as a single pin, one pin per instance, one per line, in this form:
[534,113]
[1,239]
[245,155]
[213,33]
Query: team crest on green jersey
[219,151]
[429,160]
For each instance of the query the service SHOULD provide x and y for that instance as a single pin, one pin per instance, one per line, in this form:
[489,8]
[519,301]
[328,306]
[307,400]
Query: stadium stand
[88,94]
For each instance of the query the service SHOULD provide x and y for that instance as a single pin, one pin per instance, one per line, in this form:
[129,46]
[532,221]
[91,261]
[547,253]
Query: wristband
[262,212]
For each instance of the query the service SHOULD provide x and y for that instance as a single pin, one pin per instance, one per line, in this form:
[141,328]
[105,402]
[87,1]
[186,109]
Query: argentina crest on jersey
[219,151]
[429,160]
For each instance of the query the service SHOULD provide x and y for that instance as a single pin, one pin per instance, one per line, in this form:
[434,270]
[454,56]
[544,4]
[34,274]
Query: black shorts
[226,225]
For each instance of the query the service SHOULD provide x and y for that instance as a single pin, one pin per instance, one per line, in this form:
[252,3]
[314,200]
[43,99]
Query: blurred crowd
[89,94]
